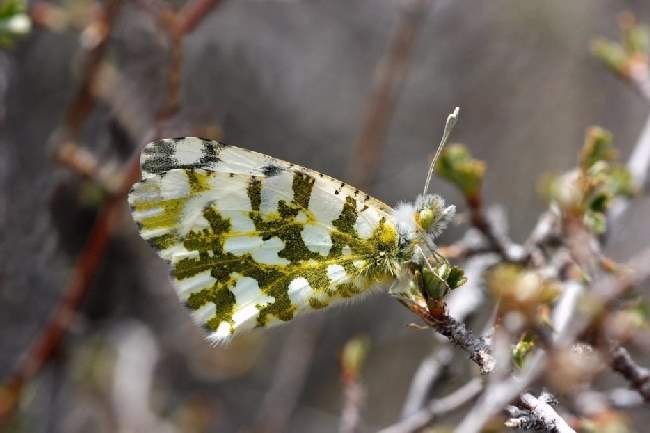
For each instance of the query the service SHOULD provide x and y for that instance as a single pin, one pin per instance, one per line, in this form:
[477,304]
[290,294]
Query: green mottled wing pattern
[253,240]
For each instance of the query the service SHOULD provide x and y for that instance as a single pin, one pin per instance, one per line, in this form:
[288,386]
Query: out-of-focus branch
[637,376]
[460,251]
[457,333]
[95,47]
[193,13]
[91,255]
[64,139]
[601,294]
[496,238]
[638,165]
[352,359]
[82,275]
[137,354]
[389,78]
[427,374]
[537,414]
[436,408]
[289,377]
[177,24]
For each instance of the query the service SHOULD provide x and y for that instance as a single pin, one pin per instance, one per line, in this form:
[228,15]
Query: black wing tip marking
[271,170]
[159,156]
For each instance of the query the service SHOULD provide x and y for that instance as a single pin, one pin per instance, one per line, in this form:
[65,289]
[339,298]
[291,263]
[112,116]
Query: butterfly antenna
[449,126]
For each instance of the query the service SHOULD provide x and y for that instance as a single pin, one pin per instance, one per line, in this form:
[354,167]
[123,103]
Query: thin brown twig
[193,13]
[64,139]
[389,78]
[637,376]
[84,100]
[496,240]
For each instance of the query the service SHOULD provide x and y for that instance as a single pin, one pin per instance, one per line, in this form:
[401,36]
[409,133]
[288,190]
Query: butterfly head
[424,219]
[432,215]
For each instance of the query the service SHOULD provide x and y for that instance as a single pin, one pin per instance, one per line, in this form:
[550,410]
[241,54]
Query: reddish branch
[91,255]
[84,101]
[84,270]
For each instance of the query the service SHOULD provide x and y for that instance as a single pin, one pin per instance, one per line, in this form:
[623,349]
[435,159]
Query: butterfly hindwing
[253,240]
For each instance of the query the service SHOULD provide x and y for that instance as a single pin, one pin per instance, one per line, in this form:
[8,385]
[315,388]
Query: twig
[497,240]
[137,354]
[637,376]
[282,397]
[389,77]
[93,251]
[437,407]
[499,394]
[82,275]
[84,100]
[639,165]
[351,415]
[601,294]
[461,251]
[622,398]
[593,402]
[426,376]
[192,14]
[64,139]
[538,414]
[354,393]
[457,333]
[546,228]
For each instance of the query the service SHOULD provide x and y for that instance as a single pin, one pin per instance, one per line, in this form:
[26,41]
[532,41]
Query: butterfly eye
[425,218]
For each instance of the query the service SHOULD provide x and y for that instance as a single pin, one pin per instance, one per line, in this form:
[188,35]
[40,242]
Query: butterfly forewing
[253,240]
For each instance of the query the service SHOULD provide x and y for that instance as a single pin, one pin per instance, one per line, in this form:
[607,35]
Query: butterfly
[253,241]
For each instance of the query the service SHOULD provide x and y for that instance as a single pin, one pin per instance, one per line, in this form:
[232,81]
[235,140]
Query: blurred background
[296,79]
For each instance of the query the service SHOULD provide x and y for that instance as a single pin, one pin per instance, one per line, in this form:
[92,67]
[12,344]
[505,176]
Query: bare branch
[437,407]
[354,396]
[288,379]
[457,333]
[639,165]
[390,74]
[427,374]
[637,376]
[538,414]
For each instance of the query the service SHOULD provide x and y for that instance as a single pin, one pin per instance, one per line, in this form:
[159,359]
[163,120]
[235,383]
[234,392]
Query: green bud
[521,350]
[14,21]
[597,147]
[457,166]
[435,284]
[456,277]
[611,54]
